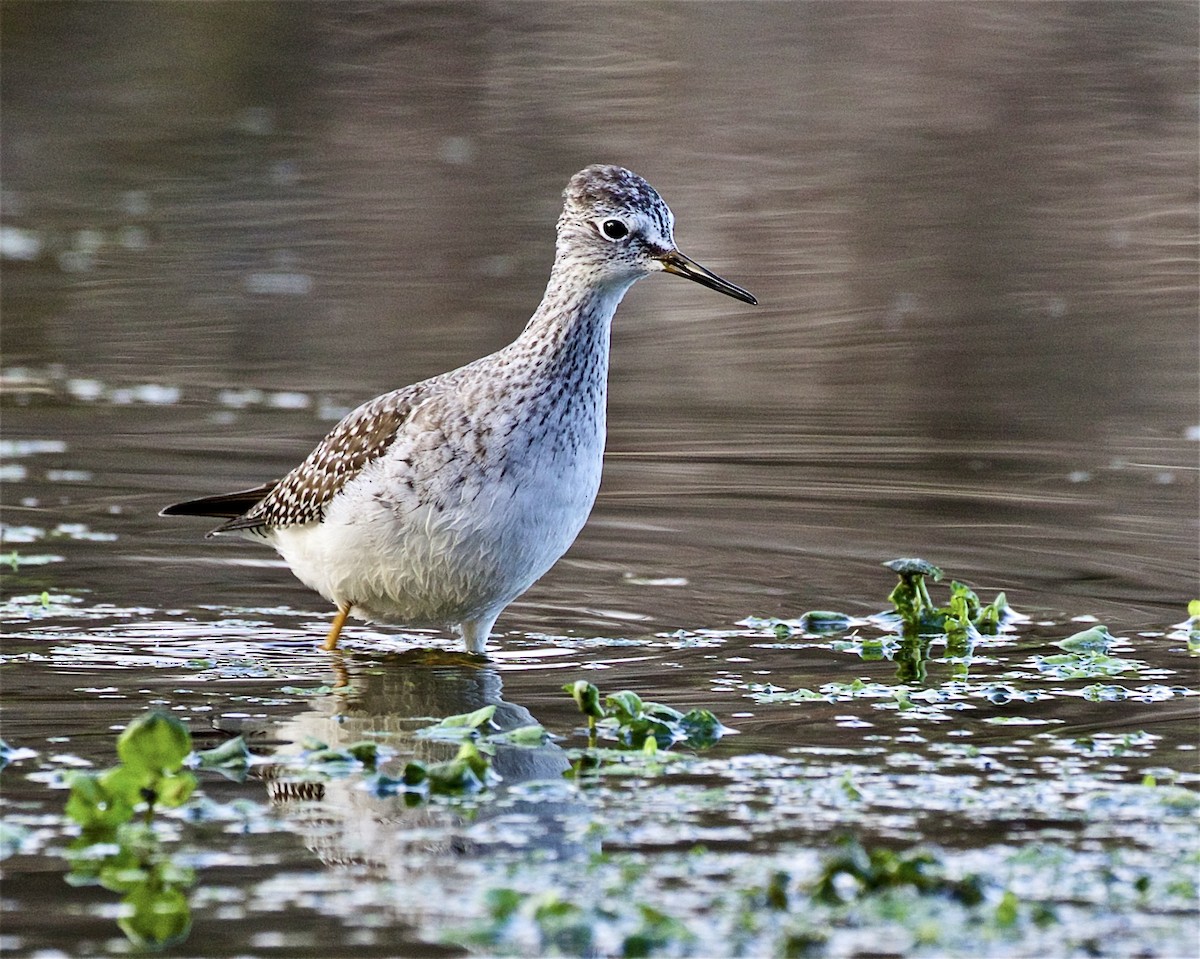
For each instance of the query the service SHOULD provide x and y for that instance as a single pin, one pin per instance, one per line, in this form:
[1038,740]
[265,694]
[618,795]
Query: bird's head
[616,228]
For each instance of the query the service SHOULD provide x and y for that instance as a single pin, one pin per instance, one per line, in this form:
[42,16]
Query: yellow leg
[335,630]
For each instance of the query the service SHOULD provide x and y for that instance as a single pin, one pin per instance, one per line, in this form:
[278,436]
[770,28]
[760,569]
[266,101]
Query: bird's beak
[675,262]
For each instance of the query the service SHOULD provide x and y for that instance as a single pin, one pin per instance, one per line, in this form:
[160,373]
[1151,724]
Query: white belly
[434,535]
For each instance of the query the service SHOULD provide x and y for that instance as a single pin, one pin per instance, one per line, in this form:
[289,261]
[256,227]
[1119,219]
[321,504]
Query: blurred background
[971,228]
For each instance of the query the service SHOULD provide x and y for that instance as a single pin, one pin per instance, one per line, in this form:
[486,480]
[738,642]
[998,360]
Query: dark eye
[614,230]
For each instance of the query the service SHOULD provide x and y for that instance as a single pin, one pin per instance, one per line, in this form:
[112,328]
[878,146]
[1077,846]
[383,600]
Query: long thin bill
[675,262]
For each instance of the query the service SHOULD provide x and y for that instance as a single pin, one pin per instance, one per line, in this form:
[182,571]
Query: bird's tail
[225,505]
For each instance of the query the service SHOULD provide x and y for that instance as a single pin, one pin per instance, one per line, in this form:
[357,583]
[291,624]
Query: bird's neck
[573,321]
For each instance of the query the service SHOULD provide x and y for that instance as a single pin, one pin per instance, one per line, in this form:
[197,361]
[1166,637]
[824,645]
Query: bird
[438,504]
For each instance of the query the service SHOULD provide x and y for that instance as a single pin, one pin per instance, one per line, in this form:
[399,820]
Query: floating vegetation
[1095,640]
[231,759]
[873,870]
[1084,665]
[469,772]
[633,722]
[1189,630]
[963,616]
[815,624]
[128,856]
[1011,796]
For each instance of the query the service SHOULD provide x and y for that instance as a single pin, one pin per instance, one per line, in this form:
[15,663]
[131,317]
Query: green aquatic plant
[911,596]
[462,726]
[152,750]
[873,870]
[1095,640]
[962,619]
[477,726]
[318,758]
[125,854]
[470,771]
[231,759]
[587,698]
[1084,665]
[825,621]
[633,721]
[644,732]
[814,623]
[560,926]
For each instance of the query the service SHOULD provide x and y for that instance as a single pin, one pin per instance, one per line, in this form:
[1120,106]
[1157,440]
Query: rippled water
[972,232]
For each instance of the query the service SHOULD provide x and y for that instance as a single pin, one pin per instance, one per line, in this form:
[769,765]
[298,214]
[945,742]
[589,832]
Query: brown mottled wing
[302,496]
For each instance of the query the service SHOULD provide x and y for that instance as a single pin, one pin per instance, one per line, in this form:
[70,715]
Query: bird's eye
[614,230]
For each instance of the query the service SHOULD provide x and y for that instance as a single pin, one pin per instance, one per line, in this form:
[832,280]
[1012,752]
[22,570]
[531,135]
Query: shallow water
[972,233]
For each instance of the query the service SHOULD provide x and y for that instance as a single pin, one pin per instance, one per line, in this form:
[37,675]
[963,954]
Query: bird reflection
[386,698]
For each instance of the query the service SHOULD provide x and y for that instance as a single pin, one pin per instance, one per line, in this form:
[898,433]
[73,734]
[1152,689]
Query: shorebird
[440,503]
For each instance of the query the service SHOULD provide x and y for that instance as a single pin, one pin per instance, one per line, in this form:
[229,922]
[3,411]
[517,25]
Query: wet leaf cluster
[635,723]
[963,615]
[790,912]
[127,856]
[871,870]
[469,772]
[562,927]
[478,727]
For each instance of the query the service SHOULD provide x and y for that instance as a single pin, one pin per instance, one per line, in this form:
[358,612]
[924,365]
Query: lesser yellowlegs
[440,503]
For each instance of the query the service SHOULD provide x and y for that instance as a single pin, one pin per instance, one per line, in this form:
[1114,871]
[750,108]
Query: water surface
[972,232]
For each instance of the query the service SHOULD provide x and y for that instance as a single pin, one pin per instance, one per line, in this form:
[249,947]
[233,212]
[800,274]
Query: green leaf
[993,615]
[176,789]
[124,871]
[94,807]
[462,726]
[587,698]
[415,773]
[365,751]
[159,916]
[912,566]
[667,714]
[701,728]
[1194,607]
[127,783]
[1007,910]
[824,621]
[231,754]
[154,742]
[635,732]
[471,720]
[1084,665]
[625,705]
[1095,640]
[476,761]
[533,735]
[465,773]
[503,903]
[963,601]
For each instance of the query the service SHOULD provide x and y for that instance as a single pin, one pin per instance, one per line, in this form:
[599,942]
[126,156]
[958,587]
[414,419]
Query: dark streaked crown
[603,189]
